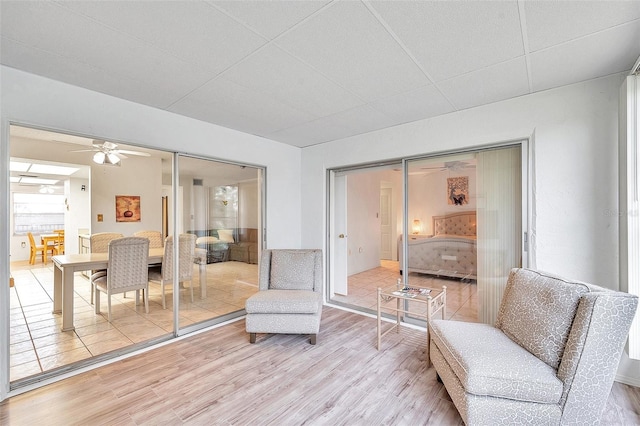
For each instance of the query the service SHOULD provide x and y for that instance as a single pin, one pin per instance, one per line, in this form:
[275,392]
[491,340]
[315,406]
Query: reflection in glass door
[222,218]
[450,220]
[464,228]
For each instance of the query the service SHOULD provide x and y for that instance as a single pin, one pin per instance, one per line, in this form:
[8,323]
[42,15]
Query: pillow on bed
[207,240]
[225,235]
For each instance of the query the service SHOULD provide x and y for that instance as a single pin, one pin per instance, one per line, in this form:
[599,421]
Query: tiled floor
[37,344]
[462,297]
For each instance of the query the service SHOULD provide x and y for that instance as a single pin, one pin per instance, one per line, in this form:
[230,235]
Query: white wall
[428,197]
[78,214]
[576,177]
[363,221]
[138,176]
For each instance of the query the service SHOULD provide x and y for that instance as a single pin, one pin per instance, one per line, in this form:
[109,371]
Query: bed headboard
[460,223]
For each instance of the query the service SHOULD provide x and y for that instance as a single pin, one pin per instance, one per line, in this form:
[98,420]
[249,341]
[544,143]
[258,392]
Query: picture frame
[127,208]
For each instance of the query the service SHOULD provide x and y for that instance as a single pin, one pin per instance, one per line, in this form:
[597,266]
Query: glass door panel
[464,217]
[122,197]
[222,218]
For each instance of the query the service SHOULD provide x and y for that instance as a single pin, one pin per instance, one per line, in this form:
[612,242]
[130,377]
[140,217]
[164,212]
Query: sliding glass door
[92,191]
[222,214]
[454,221]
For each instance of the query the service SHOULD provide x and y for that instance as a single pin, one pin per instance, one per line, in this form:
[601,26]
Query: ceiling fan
[108,153]
[453,166]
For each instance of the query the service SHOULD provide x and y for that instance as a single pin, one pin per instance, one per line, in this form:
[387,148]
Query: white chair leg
[191,287]
[145,295]
[97,304]
[109,305]
[164,304]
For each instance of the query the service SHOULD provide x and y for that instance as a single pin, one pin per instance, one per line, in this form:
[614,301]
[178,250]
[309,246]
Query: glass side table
[435,301]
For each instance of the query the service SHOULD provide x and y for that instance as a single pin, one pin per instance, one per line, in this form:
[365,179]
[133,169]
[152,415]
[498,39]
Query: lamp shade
[417,226]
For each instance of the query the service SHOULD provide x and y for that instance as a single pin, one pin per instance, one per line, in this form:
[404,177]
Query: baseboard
[631,381]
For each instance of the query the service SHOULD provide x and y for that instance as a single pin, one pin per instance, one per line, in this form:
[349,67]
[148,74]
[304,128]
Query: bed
[449,252]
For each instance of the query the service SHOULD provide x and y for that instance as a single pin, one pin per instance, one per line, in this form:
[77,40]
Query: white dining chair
[128,270]
[164,274]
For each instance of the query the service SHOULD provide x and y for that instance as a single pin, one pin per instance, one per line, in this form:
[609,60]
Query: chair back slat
[155,238]
[128,263]
[186,255]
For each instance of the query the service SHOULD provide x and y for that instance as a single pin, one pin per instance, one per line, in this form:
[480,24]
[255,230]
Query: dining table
[66,265]
[46,239]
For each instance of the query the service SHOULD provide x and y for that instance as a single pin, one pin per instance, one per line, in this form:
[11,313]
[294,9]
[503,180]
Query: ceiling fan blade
[124,151]
[85,150]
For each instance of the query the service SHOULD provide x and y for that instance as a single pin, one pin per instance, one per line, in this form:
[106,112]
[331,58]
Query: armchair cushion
[544,300]
[284,302]
[487,363]
[290,270]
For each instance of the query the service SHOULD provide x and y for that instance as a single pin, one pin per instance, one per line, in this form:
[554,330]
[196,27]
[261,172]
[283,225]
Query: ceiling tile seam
[66,58]
[257,32]
[525,42]
[400,43]
[169,53]
[268,43]
[611,28]
[128,35]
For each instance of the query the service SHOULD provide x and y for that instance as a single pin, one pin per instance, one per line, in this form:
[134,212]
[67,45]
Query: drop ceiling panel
[84,75]
[604,53]
[414,105]
[355,121]
[269,18]
[347,43]
[453,38]
[275,73]
[312,71]
[554,22]
[194,31]
[492,84]
[114,57]
[228,104]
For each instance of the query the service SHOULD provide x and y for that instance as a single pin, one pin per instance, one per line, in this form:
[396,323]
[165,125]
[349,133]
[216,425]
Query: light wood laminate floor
[219,378]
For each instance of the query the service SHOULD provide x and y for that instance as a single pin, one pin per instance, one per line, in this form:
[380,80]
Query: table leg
[398,302]
[203,279]
[57,289]
[378,319]
[67,299]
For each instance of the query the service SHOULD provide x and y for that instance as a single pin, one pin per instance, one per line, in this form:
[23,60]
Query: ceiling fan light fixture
[113,158]
[99,157]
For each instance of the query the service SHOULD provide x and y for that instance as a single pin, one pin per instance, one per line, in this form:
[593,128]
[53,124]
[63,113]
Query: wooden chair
[34,249]
[164,274]
[59,243]
[127,271]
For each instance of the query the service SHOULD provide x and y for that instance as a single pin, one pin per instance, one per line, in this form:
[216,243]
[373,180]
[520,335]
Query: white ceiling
[307,72]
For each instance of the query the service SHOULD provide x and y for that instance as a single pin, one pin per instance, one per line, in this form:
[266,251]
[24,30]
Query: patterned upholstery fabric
[462,223]
[289,270]
[296,306]
[551,359]
[482,369]
[284,302]
[548,302]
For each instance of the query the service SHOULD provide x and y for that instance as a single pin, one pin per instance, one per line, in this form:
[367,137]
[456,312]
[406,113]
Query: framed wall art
[458,190]
[127,208]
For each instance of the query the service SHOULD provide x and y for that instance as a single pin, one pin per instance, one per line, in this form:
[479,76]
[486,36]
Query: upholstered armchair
[290,296]
[550,359]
